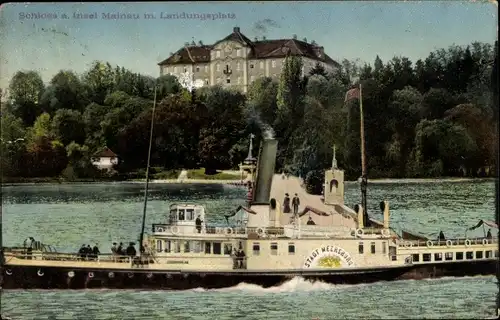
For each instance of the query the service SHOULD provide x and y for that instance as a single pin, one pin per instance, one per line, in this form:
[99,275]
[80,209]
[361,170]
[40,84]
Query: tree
[261,98]
[99,81]
[65,92]
[223,126]
[290,105]
[26,89]
[318,70]
[68,126]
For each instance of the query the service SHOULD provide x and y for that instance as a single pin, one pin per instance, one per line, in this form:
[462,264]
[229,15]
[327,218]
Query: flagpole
[364,181]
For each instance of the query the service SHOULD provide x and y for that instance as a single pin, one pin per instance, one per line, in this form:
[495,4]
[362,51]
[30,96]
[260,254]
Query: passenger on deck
[311,222]
[286,204]
[131,252]
[114,251]
[295,204]
[95,251]
[441,236]
[234,255]
[82,250]
[119,250]
[88,252]
[198,223]
[241,259]
[488,235]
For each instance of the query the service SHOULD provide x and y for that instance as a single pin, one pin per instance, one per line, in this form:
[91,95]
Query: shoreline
[42,181]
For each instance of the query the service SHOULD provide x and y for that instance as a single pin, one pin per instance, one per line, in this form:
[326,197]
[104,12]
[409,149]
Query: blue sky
[346,29]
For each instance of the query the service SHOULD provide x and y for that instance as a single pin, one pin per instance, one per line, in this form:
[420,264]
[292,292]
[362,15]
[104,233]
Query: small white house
[105,159]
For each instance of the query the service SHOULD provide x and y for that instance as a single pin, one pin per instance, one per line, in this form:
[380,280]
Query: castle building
[235,61]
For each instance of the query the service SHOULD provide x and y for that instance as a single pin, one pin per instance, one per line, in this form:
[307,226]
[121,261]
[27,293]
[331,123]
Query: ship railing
[54,256]
[447,242]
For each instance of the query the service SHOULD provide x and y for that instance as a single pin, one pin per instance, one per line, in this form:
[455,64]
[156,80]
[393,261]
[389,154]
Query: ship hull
[27,277]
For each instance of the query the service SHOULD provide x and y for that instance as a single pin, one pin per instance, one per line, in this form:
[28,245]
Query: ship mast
[364,177]
[141,237]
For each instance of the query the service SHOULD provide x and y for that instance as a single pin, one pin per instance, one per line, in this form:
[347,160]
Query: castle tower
[334,183]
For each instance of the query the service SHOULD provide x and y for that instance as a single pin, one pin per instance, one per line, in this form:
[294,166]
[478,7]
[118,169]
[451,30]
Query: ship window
[228,248]
[488,254]
[438,256]
[448,256]
[415,257]
[173,215]
[186,246]
[384,250]
[291,248]
[426,257]
[196,246]
[189,214]
[177,246]
[181,214]
[372,245]
[274,248]
[159,245]
[459,255]
[469,255]
[479,254]
[256,249]
[217,248]
[360,248]
[208,248]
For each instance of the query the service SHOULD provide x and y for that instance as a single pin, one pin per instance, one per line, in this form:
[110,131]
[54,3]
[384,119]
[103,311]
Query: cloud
[262,26]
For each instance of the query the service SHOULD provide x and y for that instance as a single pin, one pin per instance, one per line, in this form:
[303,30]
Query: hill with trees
[431,118]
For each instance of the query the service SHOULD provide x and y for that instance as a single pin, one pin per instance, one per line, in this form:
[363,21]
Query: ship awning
[490,224]
[317,211]
[237,210]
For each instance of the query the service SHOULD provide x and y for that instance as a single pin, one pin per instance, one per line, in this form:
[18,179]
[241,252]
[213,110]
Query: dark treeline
[431,118]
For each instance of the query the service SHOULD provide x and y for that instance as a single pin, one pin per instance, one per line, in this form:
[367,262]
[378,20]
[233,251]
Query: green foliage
[201,175]
[314,182]
[433,117]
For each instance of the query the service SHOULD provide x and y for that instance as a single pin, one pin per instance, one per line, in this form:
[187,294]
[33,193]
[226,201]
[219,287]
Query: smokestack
[265,171]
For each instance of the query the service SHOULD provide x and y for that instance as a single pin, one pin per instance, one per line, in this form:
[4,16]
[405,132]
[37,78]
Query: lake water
[68,216]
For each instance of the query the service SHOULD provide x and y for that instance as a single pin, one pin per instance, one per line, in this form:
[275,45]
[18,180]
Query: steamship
[260,243]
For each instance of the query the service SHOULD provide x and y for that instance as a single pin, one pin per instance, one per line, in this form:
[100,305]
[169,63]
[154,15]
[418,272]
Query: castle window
[159,245]
[208,247]
[238,52]
[197,246]
[291,248]
[488,254]
[197,69]
[448,256]
[251,66]
[361,248]
[217,67]
[273,63]
[415,257]
[459,255]
[218,54]
[426,257]
[438,256]
[228,248]
[186,246]
[469,255]
[372,245]
[228,80]
[384,250]
[261,64]
[479,254]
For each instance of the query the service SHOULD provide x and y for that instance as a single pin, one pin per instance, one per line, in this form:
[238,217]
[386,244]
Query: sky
[29,40]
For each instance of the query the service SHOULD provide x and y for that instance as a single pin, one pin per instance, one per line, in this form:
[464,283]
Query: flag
[352,94]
